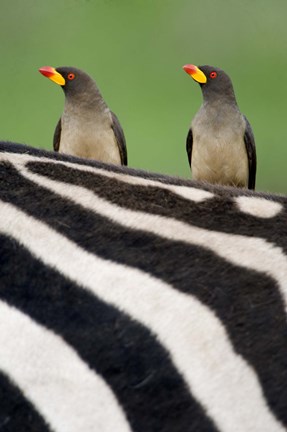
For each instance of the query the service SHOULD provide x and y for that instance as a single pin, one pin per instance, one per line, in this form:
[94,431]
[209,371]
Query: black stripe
[10,147]
[16,412]
[125,353]
[247,302]
[210,213]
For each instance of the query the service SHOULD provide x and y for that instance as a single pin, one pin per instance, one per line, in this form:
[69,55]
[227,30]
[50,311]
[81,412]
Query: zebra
[137,302]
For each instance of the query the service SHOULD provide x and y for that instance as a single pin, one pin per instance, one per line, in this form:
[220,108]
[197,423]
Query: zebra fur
[133,301]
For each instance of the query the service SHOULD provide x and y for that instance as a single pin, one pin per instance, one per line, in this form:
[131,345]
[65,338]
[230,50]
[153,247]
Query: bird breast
[219,153]
[89,138]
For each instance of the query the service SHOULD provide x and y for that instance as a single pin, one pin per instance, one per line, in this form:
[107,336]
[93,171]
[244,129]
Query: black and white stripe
[138,302]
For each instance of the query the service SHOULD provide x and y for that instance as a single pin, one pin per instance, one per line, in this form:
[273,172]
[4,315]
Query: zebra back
[132,301]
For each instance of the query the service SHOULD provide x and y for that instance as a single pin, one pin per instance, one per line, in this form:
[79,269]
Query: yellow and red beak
[52,74]
[195,73]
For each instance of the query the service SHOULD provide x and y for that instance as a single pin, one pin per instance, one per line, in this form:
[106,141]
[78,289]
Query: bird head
[213,81]
[73,81]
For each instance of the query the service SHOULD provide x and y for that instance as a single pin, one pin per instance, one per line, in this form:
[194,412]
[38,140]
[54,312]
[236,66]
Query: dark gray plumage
[87,127]
[220,143]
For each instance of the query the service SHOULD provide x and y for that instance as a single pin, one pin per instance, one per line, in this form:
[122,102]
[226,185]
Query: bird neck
[219,107]
[86,102]
[214,97]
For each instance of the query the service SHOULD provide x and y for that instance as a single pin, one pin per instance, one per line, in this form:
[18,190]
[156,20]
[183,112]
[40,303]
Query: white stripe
[187,192]
[69,395]
[258,207]
[249,252]
[219,378]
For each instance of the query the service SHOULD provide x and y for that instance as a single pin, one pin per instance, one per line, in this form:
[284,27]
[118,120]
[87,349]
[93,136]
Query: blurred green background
[135,51]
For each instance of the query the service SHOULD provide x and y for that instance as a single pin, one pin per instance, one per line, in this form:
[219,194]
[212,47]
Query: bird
[87,128]
[220,143]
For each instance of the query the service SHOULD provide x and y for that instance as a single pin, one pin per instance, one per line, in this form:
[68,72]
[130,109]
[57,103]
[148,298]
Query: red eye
[213,74]
[71,76]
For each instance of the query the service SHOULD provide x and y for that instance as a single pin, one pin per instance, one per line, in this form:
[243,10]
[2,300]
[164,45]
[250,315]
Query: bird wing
[251,153]
[120,138]
[189,142]
[57,136]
